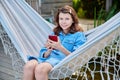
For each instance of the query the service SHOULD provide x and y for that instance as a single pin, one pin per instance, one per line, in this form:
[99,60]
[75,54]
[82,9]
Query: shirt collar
[61,33]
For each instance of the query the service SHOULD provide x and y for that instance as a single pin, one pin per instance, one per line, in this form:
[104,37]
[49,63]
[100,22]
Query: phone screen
[53,37]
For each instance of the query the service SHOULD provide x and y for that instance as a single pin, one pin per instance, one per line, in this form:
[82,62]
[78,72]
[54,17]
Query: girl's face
[65,21]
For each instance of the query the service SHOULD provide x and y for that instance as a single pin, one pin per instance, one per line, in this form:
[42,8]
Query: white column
[108,4]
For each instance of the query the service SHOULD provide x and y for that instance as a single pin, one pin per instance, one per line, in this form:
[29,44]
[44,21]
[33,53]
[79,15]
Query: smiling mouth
[64,25]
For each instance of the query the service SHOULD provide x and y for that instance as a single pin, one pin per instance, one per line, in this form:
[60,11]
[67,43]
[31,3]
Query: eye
[60,18]
[67,18]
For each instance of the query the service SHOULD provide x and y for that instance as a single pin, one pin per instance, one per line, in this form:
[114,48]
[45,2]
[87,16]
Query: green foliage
[85,8]
[111,12]
[99,19]
[95,9]
[81,13]
[103,15]
[76,4]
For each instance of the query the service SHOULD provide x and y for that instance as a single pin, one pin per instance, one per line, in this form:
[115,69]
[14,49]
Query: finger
[50,49]
[51,41]
[58,39]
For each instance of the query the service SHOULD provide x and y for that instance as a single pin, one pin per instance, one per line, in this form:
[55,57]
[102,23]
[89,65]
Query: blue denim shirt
[70,41]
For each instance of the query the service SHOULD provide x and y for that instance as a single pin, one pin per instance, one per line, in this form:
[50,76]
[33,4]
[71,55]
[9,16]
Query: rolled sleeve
[42,51]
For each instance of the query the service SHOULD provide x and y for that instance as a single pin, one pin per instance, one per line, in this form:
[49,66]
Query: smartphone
[53,37]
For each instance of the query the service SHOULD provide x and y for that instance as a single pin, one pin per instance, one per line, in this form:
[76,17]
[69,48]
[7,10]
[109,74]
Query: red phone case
[53,37]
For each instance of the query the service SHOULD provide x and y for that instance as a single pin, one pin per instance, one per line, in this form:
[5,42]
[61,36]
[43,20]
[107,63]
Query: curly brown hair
[75,25]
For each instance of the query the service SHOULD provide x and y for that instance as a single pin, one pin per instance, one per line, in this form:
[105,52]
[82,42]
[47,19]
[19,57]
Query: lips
[64,25]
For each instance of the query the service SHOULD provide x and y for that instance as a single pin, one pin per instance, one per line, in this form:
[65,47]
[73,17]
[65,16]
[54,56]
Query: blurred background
[91,13]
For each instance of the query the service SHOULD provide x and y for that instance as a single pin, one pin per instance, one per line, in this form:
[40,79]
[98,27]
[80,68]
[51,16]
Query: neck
[65,31]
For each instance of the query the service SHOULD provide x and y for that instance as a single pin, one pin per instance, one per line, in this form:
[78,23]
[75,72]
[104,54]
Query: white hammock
[27,32]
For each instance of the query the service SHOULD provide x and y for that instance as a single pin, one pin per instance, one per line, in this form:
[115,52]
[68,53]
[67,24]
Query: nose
[64,21]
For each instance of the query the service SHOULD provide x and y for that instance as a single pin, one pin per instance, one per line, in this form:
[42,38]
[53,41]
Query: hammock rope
[24,31]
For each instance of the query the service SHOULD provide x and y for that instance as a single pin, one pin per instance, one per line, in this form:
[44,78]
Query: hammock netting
[23,31]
